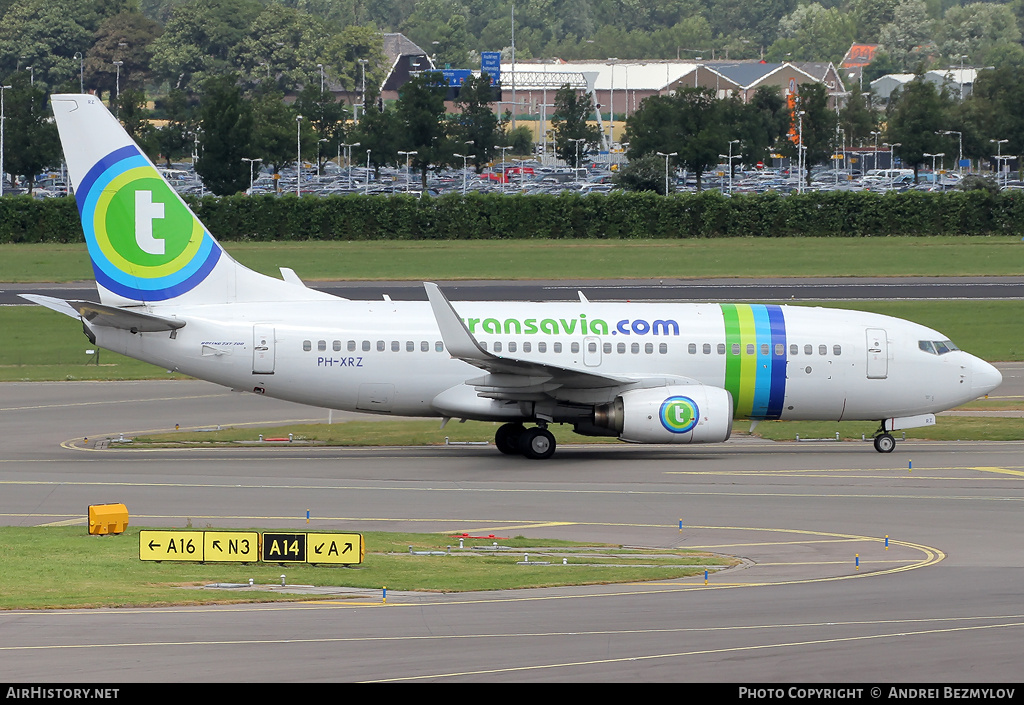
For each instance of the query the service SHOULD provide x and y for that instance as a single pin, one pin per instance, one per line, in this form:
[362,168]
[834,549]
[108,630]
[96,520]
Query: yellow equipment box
[107,519]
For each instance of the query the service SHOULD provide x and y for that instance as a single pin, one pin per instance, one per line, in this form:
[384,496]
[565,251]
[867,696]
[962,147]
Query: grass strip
[578,259]
[63,567]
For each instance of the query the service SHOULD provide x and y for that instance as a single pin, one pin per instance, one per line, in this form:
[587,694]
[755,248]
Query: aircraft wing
[111,316]
[509,377]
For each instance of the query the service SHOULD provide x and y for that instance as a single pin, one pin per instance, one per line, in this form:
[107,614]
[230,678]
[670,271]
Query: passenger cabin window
[512,347]
[823,350]
[307,345]
[707,348]
[837,350]
[321,345]
[808,350]
[692,348]
[439,346]
[381,346]
[663,348]
[366,346]
[351,346]
[337,346]
[574,347]
[556,347]
[527,347]
[542,347]
[410,346]
[424,346]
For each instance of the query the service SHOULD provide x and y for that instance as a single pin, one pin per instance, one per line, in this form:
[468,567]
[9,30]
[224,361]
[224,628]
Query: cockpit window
[937,347]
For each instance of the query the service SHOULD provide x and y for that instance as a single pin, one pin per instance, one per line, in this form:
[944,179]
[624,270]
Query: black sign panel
[284,548]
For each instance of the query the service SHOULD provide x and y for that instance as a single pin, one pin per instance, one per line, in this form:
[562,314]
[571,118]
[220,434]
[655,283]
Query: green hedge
[565,215]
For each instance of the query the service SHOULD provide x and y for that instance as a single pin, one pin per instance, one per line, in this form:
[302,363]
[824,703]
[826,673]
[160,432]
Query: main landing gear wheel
[885,443]
[507,438]
[537,443]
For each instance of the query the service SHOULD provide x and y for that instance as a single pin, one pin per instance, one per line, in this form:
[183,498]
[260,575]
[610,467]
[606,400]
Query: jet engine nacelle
[677,414]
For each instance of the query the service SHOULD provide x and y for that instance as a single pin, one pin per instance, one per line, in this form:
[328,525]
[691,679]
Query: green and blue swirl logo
[679,414]
[144,242]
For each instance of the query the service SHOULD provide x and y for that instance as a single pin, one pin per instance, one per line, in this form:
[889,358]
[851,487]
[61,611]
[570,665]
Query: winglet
[457,338]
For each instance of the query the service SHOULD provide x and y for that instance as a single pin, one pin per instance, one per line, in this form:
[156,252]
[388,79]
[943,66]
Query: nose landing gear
[884,442]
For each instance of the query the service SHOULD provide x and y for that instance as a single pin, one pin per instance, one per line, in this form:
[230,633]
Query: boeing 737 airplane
[642,372]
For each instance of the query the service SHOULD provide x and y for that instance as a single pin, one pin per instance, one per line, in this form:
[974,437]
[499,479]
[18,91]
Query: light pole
[874,156]
[322,140]
[800,153]
[321,67]
[251,162]
[348,159]
[504,175]
[999,152]
[611,103]
[298,155]
[960,139]
[362,64]
[730,157]
[464,157]
[2,119]
[576,164]
[892,162]
[407,174]
[117,96]
[367,192]
[81,71]
[667,156]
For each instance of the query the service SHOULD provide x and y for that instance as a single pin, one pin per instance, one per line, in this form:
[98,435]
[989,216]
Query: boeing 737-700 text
[642,372]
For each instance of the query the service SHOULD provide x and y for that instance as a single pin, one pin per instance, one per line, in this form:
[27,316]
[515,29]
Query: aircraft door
[878,353]
[591,351]
[263,350]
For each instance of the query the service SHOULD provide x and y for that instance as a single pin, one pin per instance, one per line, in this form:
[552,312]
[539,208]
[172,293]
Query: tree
[325,116]
[569,123]
[45,34]
[344,51]
[172,139]
[917,114]
[198,40]
[226,120]
[134,116]
[819,126]
[644,174]
[692,123]
[420,110]
[128,38]
[475,120]
[812,33]
[284,42]
[31,137]
[274,132]
[379,131]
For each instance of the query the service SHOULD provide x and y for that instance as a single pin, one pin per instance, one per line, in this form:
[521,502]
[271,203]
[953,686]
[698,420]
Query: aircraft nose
[984,377]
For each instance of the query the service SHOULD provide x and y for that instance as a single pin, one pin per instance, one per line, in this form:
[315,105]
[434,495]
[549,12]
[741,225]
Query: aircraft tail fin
[145,243]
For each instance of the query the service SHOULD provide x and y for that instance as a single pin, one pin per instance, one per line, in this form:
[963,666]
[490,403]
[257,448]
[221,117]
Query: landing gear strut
[535,443]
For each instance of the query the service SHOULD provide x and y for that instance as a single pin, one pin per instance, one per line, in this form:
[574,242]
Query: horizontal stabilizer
[110,316]
[58,305]
[115,317]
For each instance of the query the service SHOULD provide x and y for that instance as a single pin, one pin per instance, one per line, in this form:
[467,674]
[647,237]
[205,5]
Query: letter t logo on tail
[145,212]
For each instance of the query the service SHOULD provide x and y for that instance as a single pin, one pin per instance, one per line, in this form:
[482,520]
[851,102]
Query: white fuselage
[388,357]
